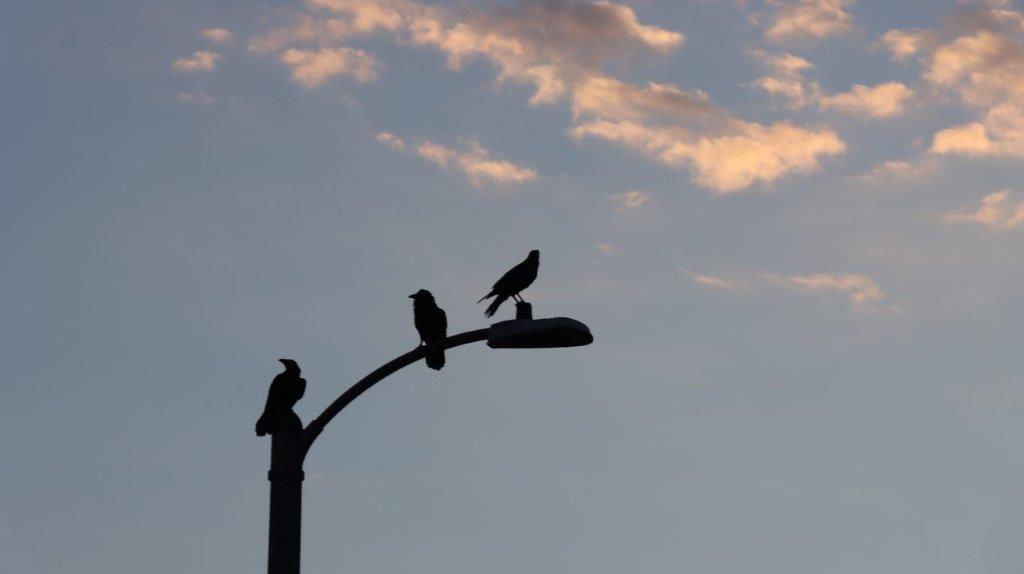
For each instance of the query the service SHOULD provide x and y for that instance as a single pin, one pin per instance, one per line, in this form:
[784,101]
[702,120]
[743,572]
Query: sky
[793,226]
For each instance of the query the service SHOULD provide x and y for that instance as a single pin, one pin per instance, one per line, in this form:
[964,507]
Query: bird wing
[510,280]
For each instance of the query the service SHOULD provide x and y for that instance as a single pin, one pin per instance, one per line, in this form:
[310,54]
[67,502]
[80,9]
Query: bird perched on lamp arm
[432,325]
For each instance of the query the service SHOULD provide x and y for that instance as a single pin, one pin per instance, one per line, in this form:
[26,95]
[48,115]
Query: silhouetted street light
[289,445]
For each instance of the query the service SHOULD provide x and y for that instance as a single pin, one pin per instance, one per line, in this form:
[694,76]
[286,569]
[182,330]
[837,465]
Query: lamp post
[290,442]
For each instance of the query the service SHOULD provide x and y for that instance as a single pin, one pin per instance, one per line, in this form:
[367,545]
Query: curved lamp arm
[316,426]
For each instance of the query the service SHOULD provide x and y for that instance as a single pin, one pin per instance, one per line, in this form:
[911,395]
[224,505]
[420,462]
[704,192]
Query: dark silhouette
[432,325]
[286,390]
[291,442]
[517,279]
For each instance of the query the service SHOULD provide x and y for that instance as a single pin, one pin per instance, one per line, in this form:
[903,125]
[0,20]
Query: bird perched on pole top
[511,283]
[286,390]
[432,324]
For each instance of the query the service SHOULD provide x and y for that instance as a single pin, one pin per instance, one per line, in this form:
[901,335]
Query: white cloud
[903,44]
[561,49]
[1000,133]
[807,19]
[391,140]
[881,101]
[629,200]
[218,35]
[862,290]
[475,162]
[785,79]
[199,61]
[996,211]
[716,282]
[313,68]
[898,170]
[749,153]
[196,97]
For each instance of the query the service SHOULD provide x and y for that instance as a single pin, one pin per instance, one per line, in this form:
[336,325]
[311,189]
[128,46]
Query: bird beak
[412,296]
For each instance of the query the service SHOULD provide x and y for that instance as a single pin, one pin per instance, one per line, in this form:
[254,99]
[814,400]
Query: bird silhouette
[432,325]
[286,390]
[511,283]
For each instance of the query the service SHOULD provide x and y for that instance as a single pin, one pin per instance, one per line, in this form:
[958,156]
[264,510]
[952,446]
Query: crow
[286,390]
[517,279]
[432,325]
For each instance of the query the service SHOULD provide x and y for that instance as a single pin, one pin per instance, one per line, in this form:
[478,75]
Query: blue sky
[794,227]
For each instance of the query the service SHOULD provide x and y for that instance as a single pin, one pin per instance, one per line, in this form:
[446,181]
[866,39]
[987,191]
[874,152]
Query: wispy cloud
[475,162]
[629,200]
[978,59]
[199,61]
[472,159]
[898,170]
[861,290]
[792,19]
[218,35]
[715,282]
[311,68]
[996,211]
[391,140]
[196,97]
[560,48]
[881,101]
[785,80]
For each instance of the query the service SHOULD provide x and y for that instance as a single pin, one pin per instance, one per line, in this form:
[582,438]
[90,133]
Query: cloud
[1000,133]
[903,44]
[898,170]
[475,162]
[606,249]
[629,200]
[199,61]
[716,282]
[996,211]
[196,97]
[749,153]
[391,140]
[313,68]
[560,48]
[785,80]
[979,59]
[218,35]
[792,19]
[881,101]
[862,291]
[606,97]
[984,68]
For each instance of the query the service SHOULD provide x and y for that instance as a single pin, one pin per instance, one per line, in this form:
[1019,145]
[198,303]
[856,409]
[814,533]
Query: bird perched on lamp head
[432,324]
[511,283]
[286,390]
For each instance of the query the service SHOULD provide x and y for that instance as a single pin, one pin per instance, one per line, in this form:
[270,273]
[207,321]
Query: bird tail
[263,424]
[487,296]
[493,307]
[435,356]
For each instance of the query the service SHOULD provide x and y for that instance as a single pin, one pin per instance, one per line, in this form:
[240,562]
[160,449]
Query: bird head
[290,366]
[535,255]
[422,295]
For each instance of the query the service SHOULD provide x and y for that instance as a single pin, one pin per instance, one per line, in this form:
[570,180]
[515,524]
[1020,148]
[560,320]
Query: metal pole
[288,449]
[286,453]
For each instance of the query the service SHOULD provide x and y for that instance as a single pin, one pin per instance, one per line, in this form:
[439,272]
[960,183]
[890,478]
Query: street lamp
[291,442]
